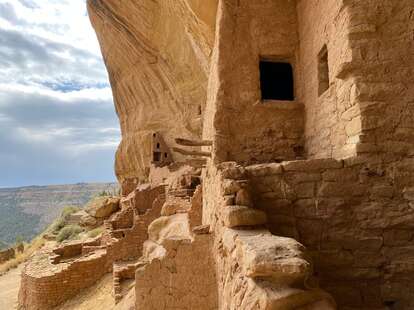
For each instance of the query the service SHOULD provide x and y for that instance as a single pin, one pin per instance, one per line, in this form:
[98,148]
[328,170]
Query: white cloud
[56,109]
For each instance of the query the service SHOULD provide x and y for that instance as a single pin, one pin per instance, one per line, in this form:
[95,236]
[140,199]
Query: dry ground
[99,296]
[9,288]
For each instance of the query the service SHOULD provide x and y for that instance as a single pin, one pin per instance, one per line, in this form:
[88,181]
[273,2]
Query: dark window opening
[158,145]
[323,71]
[390,304]
[156,156]
[165,155]
[276,81]
[154,135]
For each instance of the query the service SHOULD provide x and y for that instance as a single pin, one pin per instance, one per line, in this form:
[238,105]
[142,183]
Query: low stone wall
[179,272]
[256,270]
[53,276]
[183,279]
[45,285]
[130,245]
[7,255]
[356,218]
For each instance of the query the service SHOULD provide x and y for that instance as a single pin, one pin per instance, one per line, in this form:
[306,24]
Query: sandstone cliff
[158,56]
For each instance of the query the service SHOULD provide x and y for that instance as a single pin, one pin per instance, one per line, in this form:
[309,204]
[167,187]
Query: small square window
[276,81]
[323,71]
[156,156]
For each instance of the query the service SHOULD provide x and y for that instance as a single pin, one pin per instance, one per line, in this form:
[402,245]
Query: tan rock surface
[235,216]
[169,227]
[159,84]
[274,258]
[102,207]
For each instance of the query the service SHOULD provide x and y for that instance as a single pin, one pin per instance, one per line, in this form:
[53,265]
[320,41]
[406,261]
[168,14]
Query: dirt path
[9,288]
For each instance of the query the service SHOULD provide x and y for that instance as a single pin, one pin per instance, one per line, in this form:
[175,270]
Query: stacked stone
[54,276]
[354,216]
[264,269]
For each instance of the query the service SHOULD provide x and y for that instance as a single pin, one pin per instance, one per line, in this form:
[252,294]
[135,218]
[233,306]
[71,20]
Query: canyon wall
[158,55]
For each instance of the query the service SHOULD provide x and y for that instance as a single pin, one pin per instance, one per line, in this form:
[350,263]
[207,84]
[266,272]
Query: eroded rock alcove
[305,203]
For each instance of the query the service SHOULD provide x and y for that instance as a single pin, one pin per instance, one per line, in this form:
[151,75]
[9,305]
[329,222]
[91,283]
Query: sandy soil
[99,297]
[9,288]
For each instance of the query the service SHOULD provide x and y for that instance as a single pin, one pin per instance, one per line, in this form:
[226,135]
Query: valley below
[27,211]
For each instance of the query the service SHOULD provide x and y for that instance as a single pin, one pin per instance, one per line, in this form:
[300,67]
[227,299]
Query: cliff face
[26,211]
[157,54]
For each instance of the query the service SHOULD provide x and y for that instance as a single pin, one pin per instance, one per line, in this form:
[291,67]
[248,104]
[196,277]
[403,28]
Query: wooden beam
[191,153]
[186,142]
[196,162]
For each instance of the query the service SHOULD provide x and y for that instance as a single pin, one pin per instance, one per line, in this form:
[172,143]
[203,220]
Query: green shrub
[58,225]
[95,232]
[69,233]
[68,211]
[104,194]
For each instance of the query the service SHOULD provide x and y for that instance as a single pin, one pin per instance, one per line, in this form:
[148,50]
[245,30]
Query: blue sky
[57,119]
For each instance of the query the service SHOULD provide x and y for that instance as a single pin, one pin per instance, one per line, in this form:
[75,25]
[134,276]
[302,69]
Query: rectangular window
[156,157]
[323,71]
[276,81]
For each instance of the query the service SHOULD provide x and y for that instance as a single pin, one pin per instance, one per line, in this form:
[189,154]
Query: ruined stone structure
[297,117]
[7,254]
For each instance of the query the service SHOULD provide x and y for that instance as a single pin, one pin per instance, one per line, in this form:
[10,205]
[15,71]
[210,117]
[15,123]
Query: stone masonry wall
[381,38]
[369,105]
[45,285]
[48,281]
[255,269]
[6,255]
[356,219]
[324,23]
[183,279]
[244,128]
[130,245]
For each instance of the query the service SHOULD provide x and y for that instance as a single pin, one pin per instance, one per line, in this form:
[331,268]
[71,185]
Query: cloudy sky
[57,120]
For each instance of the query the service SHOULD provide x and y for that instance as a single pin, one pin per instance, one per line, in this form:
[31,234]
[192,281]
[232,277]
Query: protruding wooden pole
[186,142]
[191,153]
[196,162]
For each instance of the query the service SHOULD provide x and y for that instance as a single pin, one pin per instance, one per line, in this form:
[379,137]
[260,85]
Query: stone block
[261,170]
[243,198]
[340,175]
[305,190]
[281,260]
[231,187]
[338,189]
[235,216]
[312,165]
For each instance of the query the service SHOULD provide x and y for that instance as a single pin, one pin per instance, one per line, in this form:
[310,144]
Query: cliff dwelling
[291,125]
[161,155]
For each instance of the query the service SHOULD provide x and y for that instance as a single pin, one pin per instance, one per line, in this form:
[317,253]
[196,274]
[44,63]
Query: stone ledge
[235,216]
[280,260]
[312,164]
